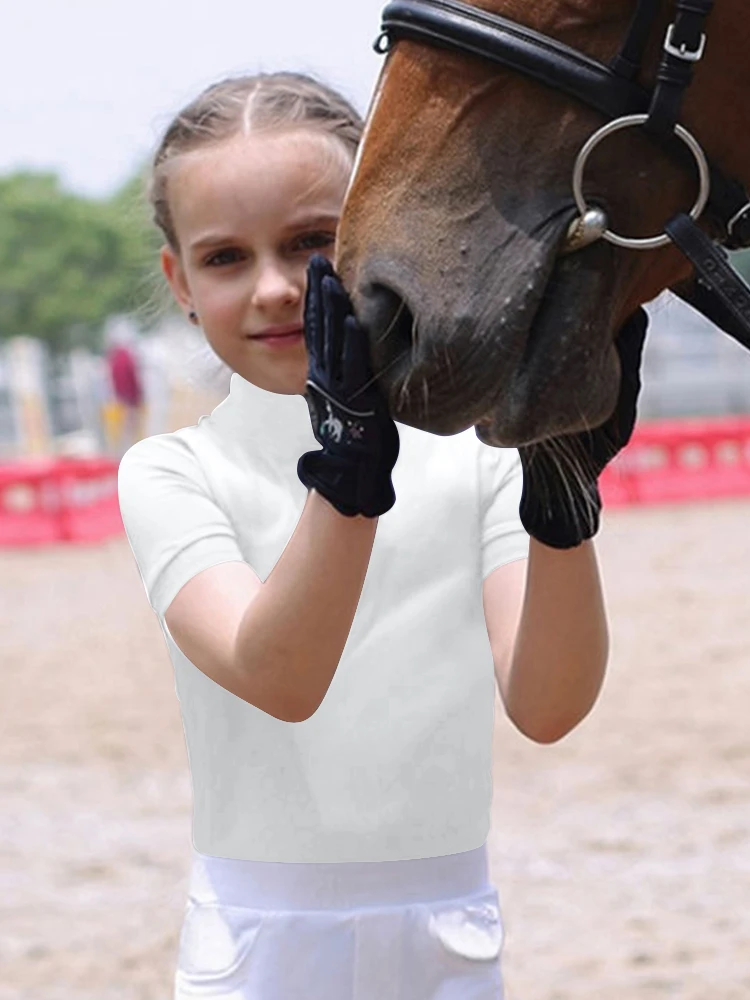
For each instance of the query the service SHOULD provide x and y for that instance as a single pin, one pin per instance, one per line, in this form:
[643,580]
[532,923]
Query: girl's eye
[228,256]
[315,241]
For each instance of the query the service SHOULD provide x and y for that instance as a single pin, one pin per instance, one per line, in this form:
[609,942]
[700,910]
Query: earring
[193,316]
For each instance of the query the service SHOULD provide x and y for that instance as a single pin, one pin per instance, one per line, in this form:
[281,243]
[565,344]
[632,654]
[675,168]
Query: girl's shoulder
[158,447]
[171,455]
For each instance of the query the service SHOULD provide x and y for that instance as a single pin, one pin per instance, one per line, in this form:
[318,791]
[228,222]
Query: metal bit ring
[652,242]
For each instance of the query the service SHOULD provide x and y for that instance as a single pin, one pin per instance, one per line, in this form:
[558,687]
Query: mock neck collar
[271,425]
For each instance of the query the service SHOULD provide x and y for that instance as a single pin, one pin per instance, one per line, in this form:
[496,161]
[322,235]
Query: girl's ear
[175,275]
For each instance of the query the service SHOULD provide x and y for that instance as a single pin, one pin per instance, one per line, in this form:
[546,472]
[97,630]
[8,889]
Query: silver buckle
[682,52]
[737,218]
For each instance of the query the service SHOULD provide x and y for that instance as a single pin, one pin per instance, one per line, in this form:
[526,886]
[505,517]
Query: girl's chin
[288,383]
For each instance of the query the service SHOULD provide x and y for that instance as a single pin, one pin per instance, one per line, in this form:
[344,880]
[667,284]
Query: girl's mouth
[281,336]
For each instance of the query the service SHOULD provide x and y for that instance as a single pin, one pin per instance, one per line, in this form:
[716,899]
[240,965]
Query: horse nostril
[390,322]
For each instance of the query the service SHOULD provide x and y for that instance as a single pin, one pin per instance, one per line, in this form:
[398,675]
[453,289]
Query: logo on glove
[332,426]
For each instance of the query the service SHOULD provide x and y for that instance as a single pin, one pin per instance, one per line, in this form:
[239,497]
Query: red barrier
[74,500]
[90,509]
[29,503]
[56,500]
[671,461]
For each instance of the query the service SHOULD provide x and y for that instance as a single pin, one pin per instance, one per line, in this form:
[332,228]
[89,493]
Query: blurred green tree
[67,262]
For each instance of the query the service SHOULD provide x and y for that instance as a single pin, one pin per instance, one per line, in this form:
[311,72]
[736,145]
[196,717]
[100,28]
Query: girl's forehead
[258,176]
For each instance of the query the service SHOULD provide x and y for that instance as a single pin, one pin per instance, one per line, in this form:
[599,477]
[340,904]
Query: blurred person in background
[337,688]
[125,412]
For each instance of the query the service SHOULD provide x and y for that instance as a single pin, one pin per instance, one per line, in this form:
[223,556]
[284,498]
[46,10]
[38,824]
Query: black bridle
[718,291]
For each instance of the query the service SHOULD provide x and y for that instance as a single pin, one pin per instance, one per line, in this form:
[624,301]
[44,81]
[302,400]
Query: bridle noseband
[718,292]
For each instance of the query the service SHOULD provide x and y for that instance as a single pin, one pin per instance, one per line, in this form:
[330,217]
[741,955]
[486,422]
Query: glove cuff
[349,486]
[566,522]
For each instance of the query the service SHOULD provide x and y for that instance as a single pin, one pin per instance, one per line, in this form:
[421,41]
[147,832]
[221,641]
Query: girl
[334,615]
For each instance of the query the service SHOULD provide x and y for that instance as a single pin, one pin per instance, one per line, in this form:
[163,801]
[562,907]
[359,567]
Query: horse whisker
[558,468]
[393,322]
[377,375]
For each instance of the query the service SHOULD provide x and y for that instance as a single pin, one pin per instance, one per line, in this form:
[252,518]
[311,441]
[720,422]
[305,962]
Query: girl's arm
[277,644]
[549,638]
[548,631]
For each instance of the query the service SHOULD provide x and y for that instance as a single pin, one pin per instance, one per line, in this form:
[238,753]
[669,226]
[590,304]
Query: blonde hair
[239,105]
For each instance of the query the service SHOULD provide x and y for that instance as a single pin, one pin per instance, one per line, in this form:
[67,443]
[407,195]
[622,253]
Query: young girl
[336,617]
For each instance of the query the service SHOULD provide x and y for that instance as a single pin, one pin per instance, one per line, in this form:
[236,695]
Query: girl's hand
[349,415]
[560,503]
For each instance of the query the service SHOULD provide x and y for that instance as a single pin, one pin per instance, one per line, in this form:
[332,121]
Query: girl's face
[248,215]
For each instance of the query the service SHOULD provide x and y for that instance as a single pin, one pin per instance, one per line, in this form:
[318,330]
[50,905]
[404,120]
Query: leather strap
[628,61]
[701,297]
[718,292]
[456,25]
[683,47]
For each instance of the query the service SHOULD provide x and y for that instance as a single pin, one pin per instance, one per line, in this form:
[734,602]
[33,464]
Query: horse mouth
[535,365]
[416,377]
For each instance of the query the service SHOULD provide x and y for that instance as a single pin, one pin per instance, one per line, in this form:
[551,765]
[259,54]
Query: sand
[622,854]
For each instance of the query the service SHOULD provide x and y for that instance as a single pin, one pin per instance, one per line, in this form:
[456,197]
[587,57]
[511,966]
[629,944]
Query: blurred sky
[87,86]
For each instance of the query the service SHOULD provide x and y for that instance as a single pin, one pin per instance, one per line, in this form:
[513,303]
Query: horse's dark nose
[389,324]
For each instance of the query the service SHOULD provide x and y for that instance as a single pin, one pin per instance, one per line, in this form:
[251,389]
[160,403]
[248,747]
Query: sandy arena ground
[622,854]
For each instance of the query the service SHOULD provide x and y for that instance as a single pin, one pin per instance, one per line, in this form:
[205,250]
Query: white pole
[26,360]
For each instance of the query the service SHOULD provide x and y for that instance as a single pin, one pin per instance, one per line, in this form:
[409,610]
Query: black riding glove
[348,412]
[560,503]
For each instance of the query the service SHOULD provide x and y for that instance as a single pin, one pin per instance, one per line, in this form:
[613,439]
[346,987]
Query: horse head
[455,222]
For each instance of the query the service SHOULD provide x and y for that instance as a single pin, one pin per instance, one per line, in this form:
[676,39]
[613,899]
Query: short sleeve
[503,538]
[174,526]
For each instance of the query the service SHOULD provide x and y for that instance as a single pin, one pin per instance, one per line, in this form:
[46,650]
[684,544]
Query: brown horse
[452,231]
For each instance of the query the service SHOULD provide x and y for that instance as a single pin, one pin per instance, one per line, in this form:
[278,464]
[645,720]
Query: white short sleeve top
[396,762]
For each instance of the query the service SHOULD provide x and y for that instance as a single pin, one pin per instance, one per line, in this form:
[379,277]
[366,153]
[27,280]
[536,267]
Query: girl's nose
[276,288]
